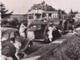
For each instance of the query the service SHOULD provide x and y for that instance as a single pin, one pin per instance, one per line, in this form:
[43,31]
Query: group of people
[53,32]
[67,25]
[64,27]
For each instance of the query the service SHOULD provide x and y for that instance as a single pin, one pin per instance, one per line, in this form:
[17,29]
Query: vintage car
[8,33]
[40,29]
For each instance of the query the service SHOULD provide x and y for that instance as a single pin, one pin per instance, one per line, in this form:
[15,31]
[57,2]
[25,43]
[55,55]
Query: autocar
[8,33]
[38,27]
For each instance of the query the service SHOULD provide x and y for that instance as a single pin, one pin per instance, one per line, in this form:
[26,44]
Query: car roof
[3,29]
[7,30]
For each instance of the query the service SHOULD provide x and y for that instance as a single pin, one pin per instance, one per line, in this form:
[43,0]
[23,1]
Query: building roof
[41,11]
[35,11]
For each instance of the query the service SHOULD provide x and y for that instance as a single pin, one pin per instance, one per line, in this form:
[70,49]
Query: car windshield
[5,35]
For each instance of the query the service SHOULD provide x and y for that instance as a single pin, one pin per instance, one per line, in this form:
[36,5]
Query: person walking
[30,35]
[50,30]
[64,26]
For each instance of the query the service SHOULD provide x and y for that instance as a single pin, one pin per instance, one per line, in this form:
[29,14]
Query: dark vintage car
[40,29]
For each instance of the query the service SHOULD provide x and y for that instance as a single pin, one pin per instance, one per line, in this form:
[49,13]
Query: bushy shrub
[77,24]
[69,50]
[43,49]
[4,22]
[14,23]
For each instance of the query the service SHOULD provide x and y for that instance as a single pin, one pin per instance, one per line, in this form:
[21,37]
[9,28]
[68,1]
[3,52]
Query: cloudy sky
[22,6]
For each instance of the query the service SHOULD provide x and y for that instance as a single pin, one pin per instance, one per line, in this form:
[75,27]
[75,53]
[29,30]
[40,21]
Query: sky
[22,6]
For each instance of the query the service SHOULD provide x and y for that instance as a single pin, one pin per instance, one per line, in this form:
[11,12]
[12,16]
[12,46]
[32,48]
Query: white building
[40,14]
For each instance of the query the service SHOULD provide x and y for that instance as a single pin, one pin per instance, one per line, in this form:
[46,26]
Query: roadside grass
[68,50]
[43,49]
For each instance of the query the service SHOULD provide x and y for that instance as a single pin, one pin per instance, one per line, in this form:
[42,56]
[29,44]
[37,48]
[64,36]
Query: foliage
[69,50]
[60,13]
[72,13]
[3,11]
[4,22]
[43,49]
[42,6]
[77,24]
[14,22]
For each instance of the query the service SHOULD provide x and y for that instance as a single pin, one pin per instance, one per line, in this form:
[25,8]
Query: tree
[14,22]
[42,6]
[72,13]
[4,12]
[61,12]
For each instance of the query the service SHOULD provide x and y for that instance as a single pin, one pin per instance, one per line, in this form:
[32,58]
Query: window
[50,14]
[5,36]
[38,16]
[12,35]
[44,15]
[30,17]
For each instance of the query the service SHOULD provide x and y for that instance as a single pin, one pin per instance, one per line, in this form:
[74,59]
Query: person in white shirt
[30,34]
[50,28]
[22,30]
